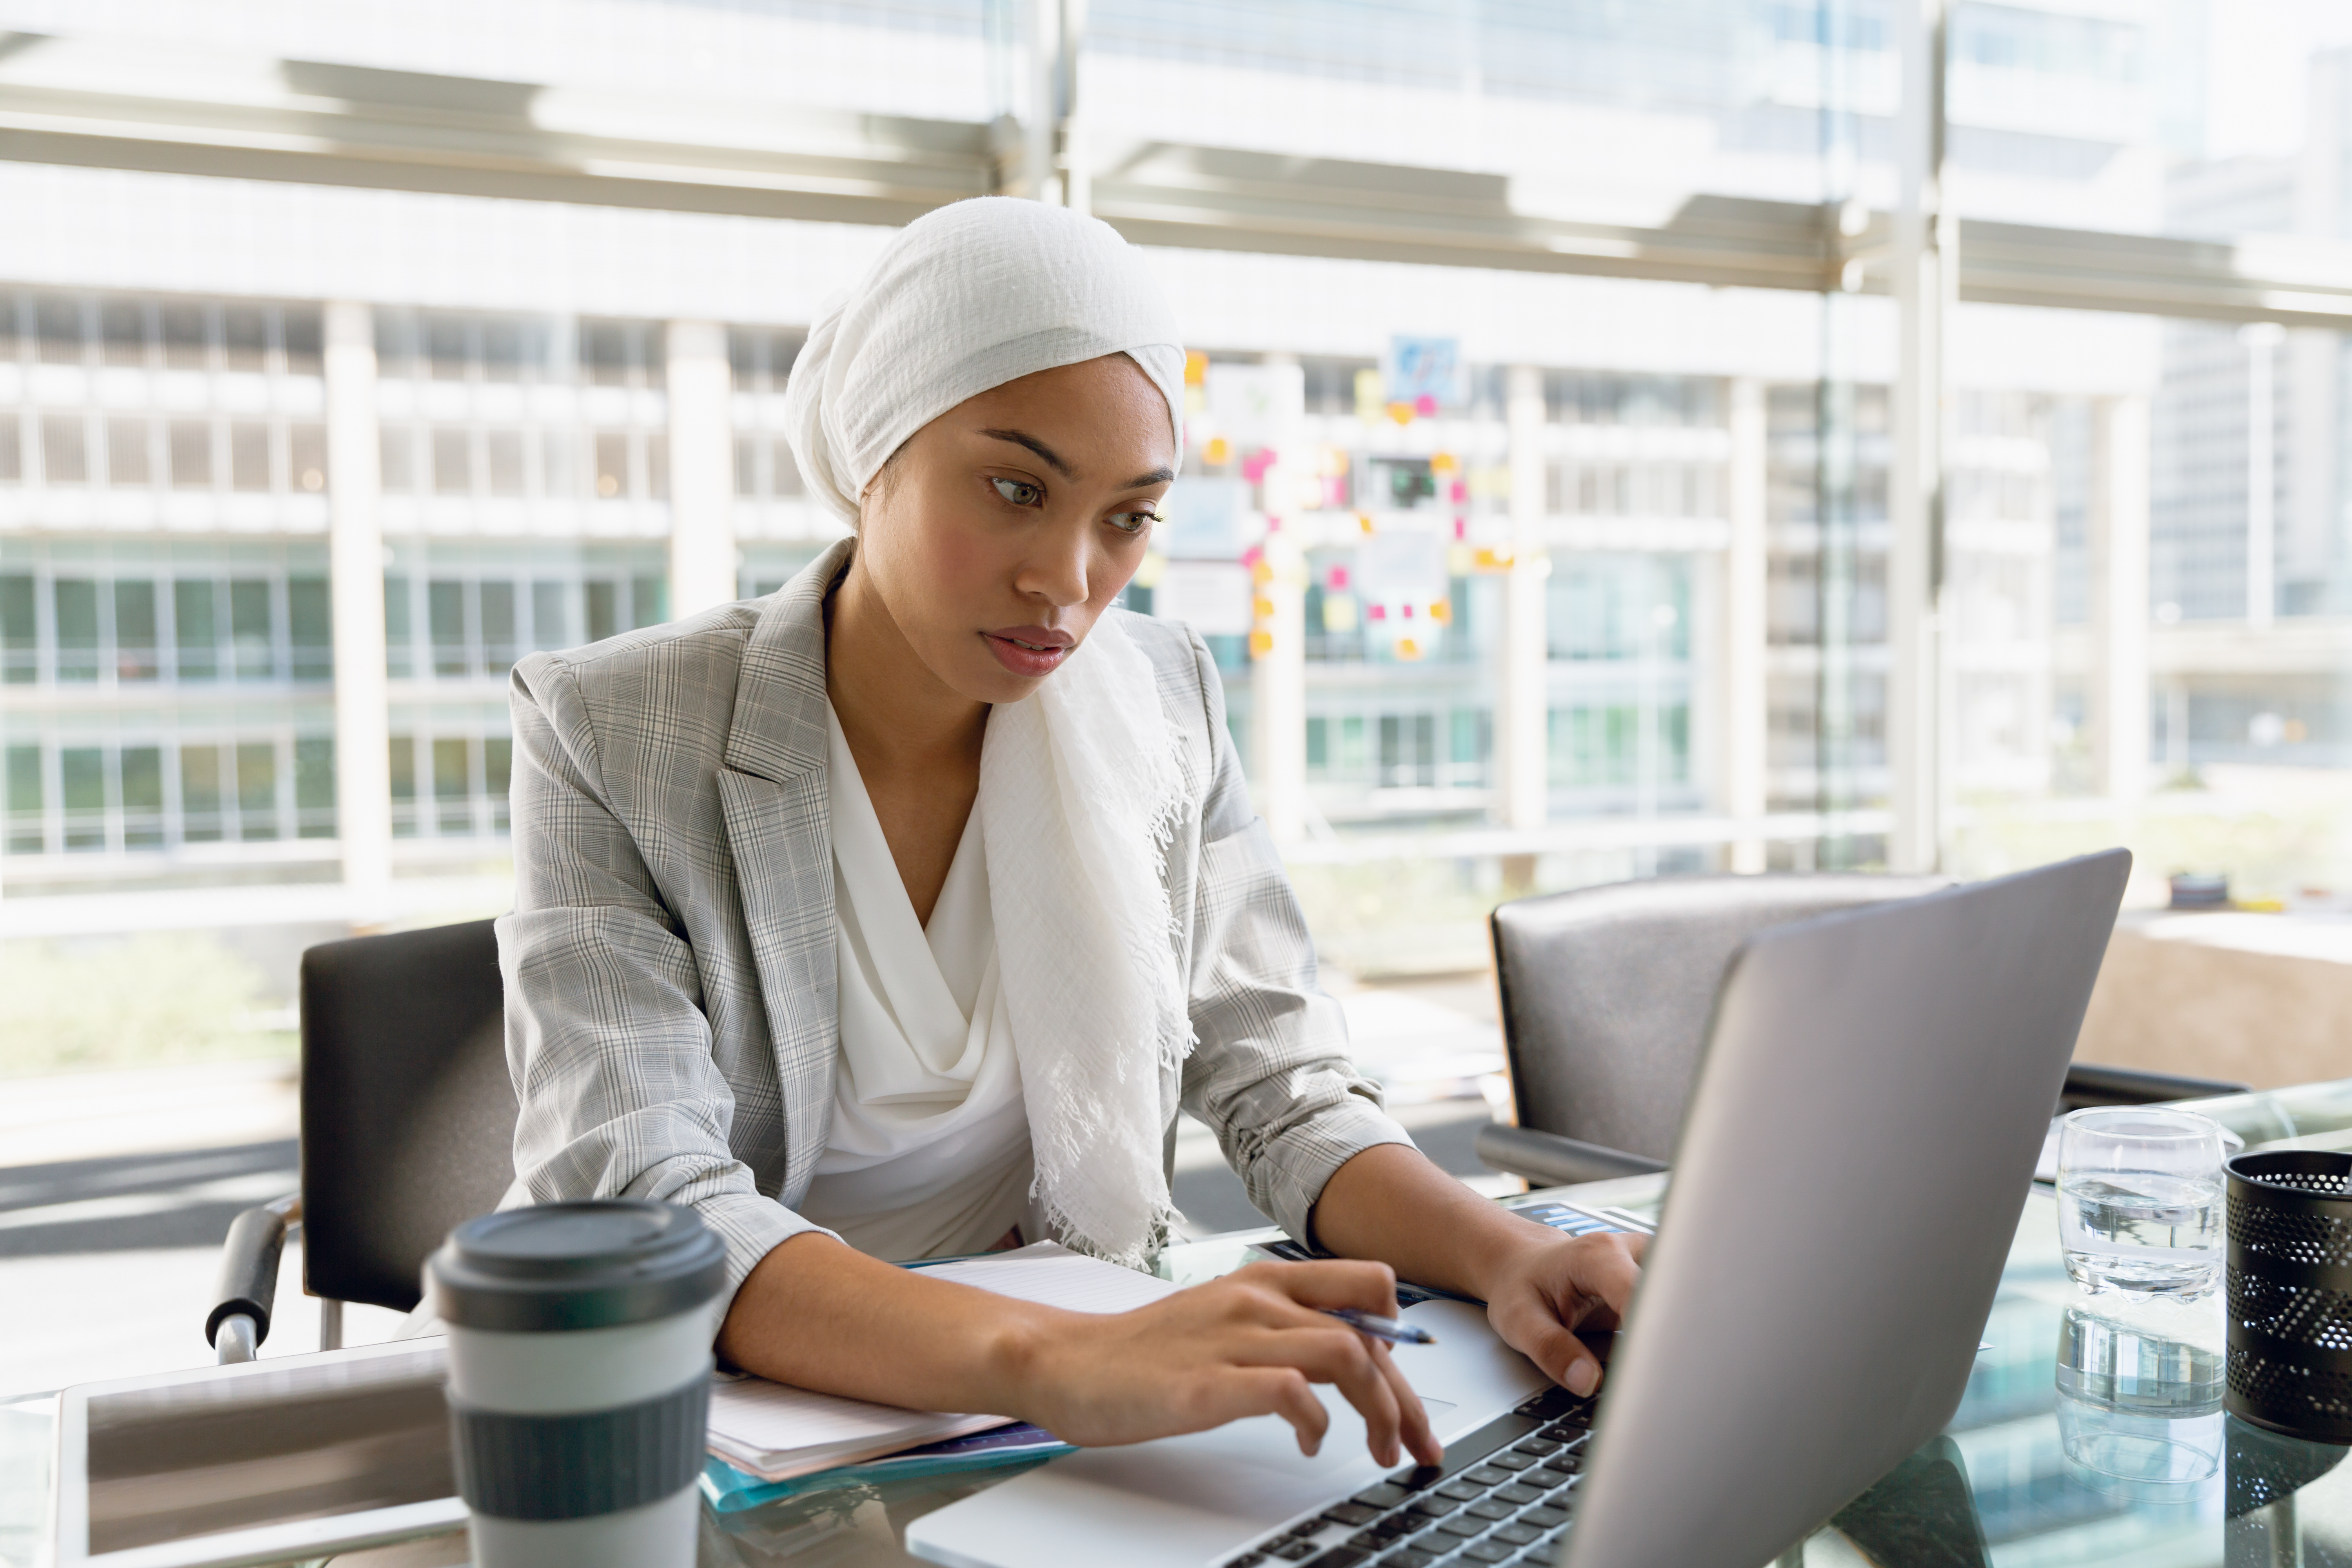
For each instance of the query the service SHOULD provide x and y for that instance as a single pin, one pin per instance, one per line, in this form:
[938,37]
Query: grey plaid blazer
[669,964]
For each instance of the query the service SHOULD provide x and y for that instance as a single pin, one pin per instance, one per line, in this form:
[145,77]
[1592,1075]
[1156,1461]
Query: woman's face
[1003,529]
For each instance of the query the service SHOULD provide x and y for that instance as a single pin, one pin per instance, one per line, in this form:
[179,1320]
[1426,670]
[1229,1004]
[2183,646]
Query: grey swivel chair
[1606,993]
[408,1121]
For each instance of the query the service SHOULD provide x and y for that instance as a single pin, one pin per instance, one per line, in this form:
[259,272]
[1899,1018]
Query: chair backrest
[408,1114]
[1606,991]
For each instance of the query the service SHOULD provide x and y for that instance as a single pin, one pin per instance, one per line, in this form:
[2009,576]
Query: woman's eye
[1133,522]
[1020,492]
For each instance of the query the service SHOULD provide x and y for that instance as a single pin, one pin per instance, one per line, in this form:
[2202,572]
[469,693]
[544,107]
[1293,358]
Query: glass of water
[2139,1200]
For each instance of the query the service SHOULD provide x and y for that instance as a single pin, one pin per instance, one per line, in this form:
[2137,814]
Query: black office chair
[1606,993]
[408,1121]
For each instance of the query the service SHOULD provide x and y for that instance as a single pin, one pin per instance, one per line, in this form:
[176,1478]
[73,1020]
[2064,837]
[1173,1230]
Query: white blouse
[928,1151]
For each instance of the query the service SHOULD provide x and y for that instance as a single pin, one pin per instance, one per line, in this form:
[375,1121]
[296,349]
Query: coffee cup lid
[598,1264]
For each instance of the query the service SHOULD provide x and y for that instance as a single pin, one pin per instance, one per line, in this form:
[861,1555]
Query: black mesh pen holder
[2290,1293]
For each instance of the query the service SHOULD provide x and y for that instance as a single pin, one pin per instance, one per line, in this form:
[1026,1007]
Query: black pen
[1381,1328]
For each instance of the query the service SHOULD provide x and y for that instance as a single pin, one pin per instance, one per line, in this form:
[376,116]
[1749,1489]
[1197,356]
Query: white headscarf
[968,297]
[1080,784]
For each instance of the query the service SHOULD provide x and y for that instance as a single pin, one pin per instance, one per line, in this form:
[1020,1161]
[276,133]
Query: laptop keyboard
[1506,1494]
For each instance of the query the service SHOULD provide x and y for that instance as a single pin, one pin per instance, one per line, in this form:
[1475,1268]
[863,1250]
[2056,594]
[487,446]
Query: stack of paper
[777,1432]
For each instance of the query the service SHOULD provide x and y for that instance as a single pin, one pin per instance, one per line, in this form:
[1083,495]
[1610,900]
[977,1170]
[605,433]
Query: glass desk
[2089,1433]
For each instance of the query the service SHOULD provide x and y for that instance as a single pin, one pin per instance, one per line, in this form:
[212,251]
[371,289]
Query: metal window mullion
[232,804]
[167,624]
[289,817]
[478,784]
[281,621]
[44,621]
[110,791]
[109,652]
[53,793]
[224,628]
[175,806]
[423,781]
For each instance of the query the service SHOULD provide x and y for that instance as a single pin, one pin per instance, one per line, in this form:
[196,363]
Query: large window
[145,786]
[2137,527]
[503,424]
[462,610]
[121,616]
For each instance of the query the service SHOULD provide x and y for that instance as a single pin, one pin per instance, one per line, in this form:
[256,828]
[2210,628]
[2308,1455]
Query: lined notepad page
[1051,1275]
[778,1432]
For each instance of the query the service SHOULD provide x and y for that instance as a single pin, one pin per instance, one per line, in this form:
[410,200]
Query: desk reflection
[2138,1411]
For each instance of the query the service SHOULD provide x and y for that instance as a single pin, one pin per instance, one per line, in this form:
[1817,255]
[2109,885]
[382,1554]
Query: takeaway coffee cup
[578,1379]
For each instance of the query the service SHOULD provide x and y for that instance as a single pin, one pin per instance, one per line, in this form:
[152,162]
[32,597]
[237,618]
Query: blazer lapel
[774,793]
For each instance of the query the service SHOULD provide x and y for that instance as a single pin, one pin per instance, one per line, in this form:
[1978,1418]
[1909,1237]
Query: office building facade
[1619,588]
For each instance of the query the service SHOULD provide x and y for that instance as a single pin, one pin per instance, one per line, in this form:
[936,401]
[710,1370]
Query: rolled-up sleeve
[606,1040]
[1271,1075]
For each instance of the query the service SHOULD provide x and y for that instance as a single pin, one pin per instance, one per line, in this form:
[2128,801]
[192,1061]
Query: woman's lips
[1025,656]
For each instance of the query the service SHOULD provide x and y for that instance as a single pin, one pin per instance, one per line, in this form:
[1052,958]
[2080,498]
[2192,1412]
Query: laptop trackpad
[1194,1499]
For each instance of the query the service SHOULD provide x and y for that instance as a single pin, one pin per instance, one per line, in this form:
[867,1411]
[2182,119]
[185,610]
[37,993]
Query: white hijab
[1080,786]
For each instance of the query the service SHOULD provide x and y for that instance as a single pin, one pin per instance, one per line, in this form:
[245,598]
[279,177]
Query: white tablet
[292,1457]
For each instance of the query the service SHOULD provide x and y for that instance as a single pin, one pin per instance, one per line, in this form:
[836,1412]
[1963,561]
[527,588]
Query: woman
[894,915]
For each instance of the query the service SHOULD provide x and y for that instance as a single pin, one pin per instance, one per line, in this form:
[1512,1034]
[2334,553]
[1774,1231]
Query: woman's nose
[1057,572]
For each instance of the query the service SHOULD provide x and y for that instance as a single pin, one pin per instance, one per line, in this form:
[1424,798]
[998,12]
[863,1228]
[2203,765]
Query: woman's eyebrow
[1053,458]
[1021,439]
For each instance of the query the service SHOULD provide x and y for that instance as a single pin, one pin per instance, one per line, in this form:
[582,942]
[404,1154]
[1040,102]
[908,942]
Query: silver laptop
[1849,1175]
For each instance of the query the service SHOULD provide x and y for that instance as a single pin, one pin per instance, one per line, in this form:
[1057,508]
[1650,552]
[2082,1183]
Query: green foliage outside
[2279,834]
[139,1001]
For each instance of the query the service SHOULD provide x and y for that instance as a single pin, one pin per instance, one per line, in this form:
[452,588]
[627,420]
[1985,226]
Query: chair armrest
[1550,1159]
[2089,1084]
[249,1276]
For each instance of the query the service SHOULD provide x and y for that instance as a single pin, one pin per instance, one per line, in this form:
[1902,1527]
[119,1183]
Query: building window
[191,454]
[144,822]
[82,786]
[479,607]
[24,814]
[248,455]
[138,655]
[140,614]
[200,795]
[56,329]
[449,778]
[298,328]
[505,453]
[257,790]
[245,338]
[314,787]
[187,344]
[612,480]
[397,448]
[126,452]
[150,794]
[122,333]
[453,463]
[403,786]
[65,461]
[307,448]
[76,620]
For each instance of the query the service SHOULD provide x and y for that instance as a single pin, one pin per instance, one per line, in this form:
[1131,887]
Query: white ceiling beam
[107,104]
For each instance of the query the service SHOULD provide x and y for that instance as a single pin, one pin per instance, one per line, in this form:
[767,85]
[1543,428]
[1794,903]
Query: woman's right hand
[1249,1343]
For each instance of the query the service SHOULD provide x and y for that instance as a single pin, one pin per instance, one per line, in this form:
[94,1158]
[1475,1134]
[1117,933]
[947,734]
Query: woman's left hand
[1543,1293]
